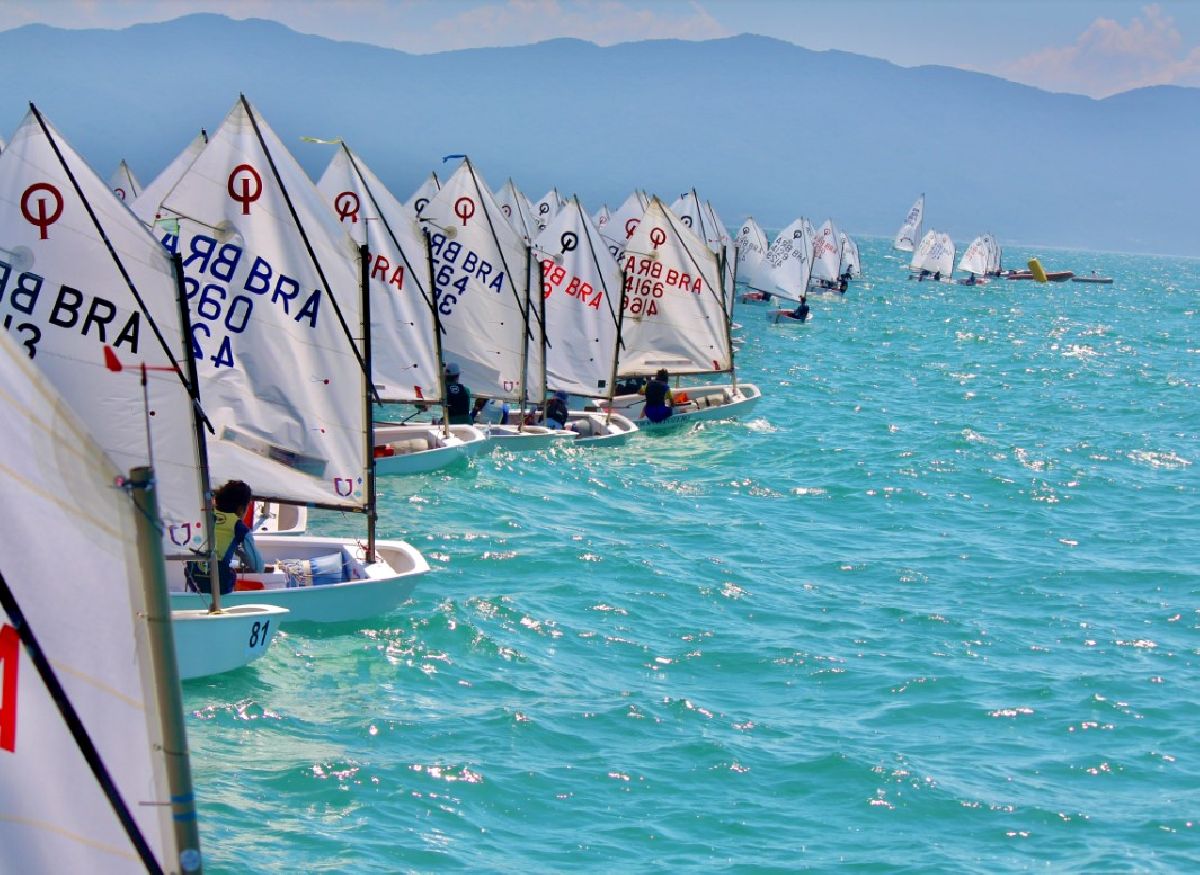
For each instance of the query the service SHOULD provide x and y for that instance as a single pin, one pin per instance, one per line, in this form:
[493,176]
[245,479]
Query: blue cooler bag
[318,571]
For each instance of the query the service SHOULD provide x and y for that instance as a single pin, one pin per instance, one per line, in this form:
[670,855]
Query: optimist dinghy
[676,316]
[580,303]
[480,270]
[406,347]
[94,243]
[417,448]
[286,386]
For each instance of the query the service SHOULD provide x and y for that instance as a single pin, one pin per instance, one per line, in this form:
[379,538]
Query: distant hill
[759,126]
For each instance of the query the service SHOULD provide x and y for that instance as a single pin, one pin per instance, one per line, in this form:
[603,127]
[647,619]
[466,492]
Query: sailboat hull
[369,590]
[785,317]
[417,448]
[705,402]
[600,429]
[210,644]
[518,439]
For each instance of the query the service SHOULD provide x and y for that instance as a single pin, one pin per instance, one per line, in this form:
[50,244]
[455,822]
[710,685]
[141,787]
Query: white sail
[547,208]
[146,205]
[623,222]
[76,312]
[827,254]
[910,229]
[752,265]
[517,209]
[404,354]
[691,212]
[789,261]
[480,267]
[994,254]
[934,254]
[68,554]
[273,284]
[921,252]
[674,316]
[582,296]
[976,257]
[721,243]
[942,256]
[601,217]
[124,184]
[850,258]
[423,195]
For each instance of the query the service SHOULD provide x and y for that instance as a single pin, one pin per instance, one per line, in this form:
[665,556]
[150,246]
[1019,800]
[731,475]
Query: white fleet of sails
[933,253]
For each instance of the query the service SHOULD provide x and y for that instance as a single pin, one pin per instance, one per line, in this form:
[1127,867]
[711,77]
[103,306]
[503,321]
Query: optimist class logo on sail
[347,205]
[216,276]
[455,266]
[27,306]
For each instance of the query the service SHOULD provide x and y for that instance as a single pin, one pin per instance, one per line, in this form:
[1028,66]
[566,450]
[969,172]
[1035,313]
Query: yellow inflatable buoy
[1035,268]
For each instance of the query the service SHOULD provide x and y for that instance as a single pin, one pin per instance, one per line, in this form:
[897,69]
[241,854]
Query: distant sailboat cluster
[801,261]
[933,256]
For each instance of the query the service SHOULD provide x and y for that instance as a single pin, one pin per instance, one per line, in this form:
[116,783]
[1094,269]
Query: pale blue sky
[1095,47]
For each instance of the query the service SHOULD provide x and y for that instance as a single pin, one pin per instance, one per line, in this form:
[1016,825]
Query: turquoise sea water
[933,606]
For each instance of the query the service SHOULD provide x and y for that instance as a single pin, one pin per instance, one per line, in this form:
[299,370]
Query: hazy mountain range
[759,126]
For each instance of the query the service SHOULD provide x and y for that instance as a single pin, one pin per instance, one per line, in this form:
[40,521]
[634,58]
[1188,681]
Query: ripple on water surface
[933,606]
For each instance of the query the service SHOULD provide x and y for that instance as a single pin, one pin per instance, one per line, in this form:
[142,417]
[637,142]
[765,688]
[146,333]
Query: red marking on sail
[9,660]
[115,365]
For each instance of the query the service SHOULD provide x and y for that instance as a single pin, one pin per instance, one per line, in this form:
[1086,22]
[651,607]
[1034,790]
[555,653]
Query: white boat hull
[376,588]
[518,439]
[705,402]
[416,448]
[784,317]
[208,644]
[595,429]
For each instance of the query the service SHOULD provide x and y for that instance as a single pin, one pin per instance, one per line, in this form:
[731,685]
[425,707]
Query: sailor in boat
[937,276]
[458,397]
[556,410]
[801,311]
[659,405]
[970,280]
[232,536]
[843,282]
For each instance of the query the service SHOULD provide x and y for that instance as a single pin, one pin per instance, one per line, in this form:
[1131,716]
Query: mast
[728,321]
[524,396]
[616,368]
[616,317]
[166,671]
[198,420]
[442,369]
[364,275]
